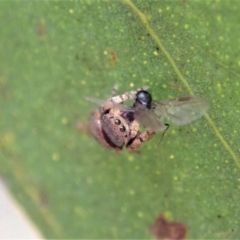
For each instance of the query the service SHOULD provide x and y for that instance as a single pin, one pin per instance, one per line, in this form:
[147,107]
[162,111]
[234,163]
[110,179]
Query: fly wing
[106,103]
[147,118]
[98,101]
[181,110]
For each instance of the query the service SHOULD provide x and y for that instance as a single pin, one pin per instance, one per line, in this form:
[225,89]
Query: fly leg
[166,128]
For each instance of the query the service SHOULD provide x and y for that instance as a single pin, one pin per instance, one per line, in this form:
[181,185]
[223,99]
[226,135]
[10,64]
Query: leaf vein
[155,37]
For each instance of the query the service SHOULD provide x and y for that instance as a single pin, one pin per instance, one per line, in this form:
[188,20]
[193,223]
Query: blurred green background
[53,53]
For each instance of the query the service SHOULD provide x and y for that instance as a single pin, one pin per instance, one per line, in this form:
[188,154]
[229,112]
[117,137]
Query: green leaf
[55,53]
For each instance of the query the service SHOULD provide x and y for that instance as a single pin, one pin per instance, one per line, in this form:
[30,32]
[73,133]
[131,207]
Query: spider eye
[117,122]
[122,129]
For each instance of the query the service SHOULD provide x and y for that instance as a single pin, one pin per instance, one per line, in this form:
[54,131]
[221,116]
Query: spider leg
[140,139]
[131,95]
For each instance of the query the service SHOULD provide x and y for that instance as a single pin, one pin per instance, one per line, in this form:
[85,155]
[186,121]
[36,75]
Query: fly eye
[122,128]
[117,122]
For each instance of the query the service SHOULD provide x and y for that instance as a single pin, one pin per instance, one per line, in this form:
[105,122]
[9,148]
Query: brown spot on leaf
[83,127]
[41,29]
[112,58]
[163,229]
[176,86]
[4,89]
[43,199]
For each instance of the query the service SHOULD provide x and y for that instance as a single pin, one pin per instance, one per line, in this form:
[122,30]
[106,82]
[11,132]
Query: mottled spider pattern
[114,126]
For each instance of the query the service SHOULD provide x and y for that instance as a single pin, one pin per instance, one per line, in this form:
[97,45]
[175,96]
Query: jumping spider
[115,125]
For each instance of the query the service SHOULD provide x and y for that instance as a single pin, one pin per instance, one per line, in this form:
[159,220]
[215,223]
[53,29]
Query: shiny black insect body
[143,97]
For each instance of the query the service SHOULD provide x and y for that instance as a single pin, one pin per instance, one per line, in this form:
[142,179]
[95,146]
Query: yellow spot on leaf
[130,158]
[221,38]
[219,18]
[64,121]
[123,209]
[140,214]
[175,178]
[7,140]
[219,88]
[132,192]
[55,157]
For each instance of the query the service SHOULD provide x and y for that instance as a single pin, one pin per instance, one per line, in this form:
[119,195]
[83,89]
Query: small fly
[180,111]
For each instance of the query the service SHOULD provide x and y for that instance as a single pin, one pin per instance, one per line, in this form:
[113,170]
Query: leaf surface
[55,53]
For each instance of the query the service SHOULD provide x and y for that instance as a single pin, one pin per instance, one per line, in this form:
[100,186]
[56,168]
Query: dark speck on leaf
[184,99]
